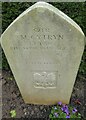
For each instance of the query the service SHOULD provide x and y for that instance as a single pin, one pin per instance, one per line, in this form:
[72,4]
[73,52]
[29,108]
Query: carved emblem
[44,79]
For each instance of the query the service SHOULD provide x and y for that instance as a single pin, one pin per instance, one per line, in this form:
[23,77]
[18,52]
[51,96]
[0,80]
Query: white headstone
[44,48]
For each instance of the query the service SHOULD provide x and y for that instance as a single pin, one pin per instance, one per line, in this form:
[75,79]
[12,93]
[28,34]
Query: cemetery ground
[12,99]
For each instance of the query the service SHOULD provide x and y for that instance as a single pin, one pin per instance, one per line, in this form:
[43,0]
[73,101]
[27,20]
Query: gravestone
[44,48]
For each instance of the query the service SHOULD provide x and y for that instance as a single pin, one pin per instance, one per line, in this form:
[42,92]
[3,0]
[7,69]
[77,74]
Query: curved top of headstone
[44,6]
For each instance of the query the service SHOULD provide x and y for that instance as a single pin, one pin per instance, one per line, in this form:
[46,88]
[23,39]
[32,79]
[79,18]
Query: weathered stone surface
[44,48]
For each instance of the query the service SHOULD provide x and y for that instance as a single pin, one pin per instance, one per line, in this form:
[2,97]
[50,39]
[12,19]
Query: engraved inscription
[44,80]
[40,38]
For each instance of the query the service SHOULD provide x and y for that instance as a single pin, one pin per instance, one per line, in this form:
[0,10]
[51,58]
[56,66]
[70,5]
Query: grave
[44,48]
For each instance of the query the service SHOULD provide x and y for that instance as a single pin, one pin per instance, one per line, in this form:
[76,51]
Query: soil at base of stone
[12,99]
